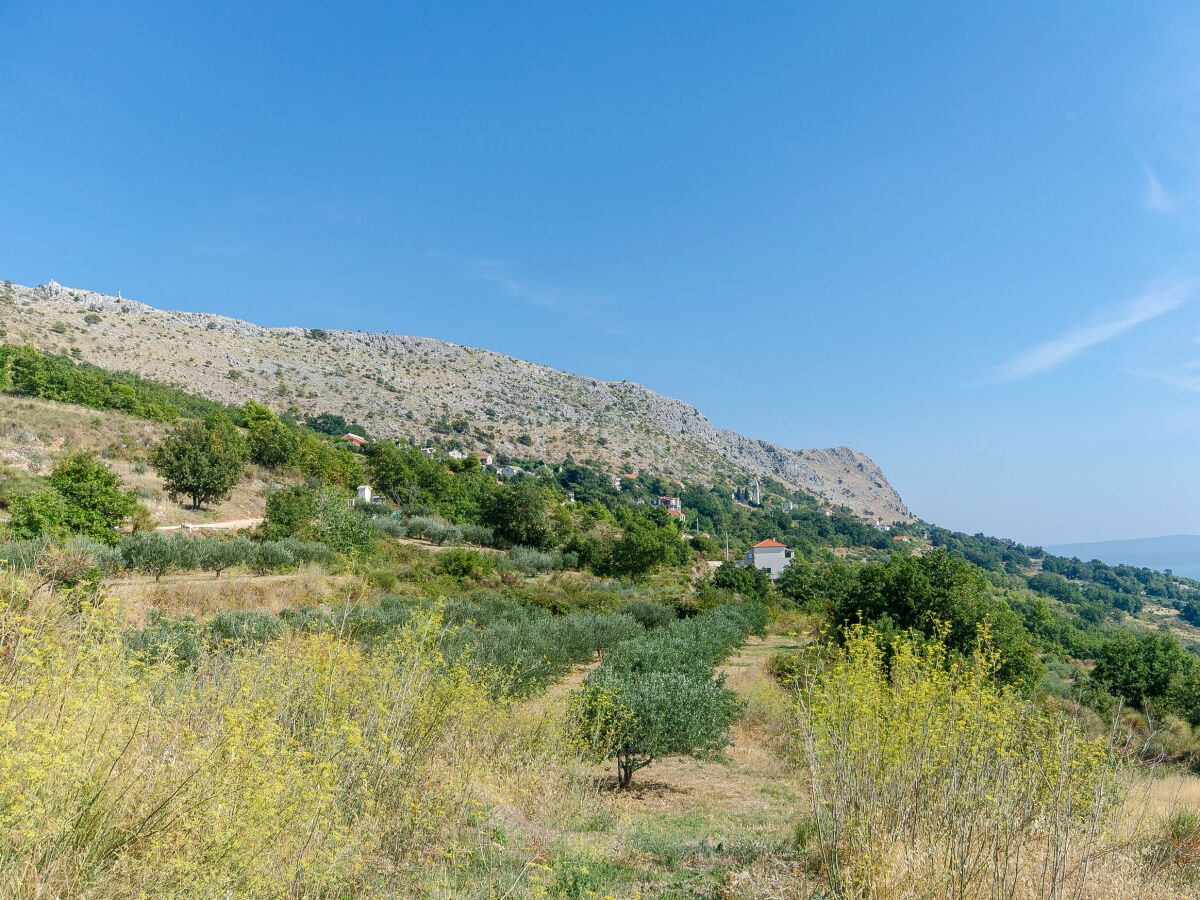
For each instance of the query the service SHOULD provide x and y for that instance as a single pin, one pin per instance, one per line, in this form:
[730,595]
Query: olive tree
[638,718]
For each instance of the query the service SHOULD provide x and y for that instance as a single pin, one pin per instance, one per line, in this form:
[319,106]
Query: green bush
[182,640]
[649,614]
[215,554]
[307,552]
[153,553]
[479,535]
[529,561]
[436,531]
[636,719]
[271,556]
[390,526]
[107,559]
[464,564]
[244,628]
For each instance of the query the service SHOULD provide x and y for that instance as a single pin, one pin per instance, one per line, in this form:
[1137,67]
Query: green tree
[938,595]
[153,553]
[1140,667]
[636,719]
[200,459]
[647,542]
[516,513]
[271,442]
[41,512]
[216,554]
[749,581]
[83,497]
[290,512]
[327,462]
[404,474]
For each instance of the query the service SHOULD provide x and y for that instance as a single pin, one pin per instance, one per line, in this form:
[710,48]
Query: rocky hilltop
[425,390]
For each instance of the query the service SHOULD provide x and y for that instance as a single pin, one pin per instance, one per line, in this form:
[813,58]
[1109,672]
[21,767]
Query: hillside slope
[400,386]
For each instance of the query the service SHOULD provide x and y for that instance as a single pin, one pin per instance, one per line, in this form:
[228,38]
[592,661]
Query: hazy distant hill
[419,387]
[1178,552]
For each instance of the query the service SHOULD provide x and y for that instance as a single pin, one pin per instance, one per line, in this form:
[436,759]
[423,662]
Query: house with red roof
[770,556]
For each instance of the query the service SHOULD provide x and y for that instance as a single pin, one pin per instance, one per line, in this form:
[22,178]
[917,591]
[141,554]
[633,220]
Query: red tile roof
[768,543]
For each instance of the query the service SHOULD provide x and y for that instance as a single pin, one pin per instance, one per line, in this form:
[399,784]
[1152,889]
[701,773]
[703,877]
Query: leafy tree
[153,553]
[271,556]
[83,497]
[290,512]
[41,512]
[327,462]
[749,581]
[647,542]
[216,555]
[1140,666]
[339,527]
[941,596]
[200,459]
[638,718]
[517,513]
[317,515]
[404,474]
[271,443]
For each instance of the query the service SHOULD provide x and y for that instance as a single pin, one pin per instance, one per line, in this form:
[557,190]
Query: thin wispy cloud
[585,308]
[1190,383]
[1158,198]
[1157,301]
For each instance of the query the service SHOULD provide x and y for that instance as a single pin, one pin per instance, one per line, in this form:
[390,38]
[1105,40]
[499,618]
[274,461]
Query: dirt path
[211,526]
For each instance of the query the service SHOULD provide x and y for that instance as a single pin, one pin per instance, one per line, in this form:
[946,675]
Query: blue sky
[963,240]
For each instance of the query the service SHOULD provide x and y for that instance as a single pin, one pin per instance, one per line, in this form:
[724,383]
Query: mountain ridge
[418,387]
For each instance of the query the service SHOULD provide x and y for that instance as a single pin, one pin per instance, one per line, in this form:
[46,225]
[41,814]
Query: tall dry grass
[928,779]
[307,768]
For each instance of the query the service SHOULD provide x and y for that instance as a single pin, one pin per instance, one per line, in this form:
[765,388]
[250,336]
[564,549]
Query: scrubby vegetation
[425,696]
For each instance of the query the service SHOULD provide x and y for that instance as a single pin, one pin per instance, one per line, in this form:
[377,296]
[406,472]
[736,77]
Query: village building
[770,556]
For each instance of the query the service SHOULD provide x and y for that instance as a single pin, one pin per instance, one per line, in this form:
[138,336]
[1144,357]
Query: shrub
[245,628]
[436,531]
[926,757]
[20,555]
[306,552]
[479,535]
[459,563]
[180,641]
[636,719]
[529,561]
[271,556]
[153,553]
[105,558]
[649,614]
[390,526]
[215,555]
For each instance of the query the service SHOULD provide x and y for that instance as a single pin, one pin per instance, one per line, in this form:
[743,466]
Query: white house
[770,556]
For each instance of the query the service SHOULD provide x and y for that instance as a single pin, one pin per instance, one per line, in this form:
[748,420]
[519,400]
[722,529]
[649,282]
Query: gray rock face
[403,386]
